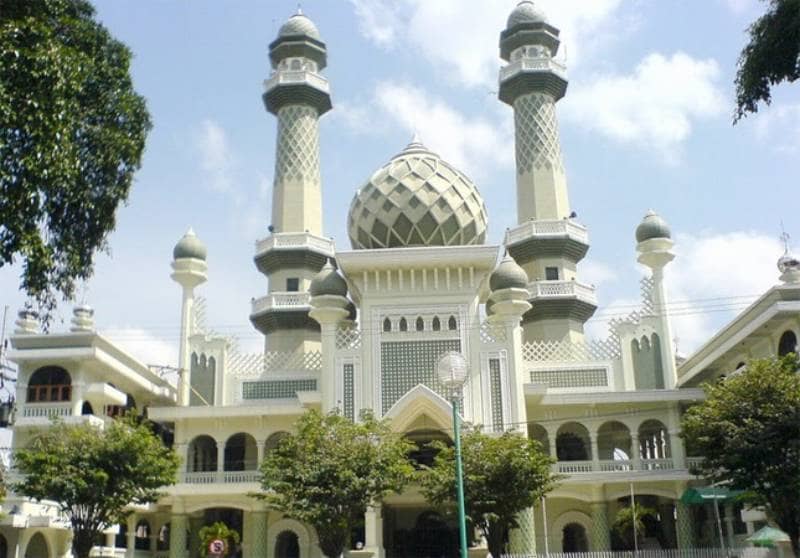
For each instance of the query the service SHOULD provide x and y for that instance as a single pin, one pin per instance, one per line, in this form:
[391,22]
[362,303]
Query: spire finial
[299,9]
[785,238]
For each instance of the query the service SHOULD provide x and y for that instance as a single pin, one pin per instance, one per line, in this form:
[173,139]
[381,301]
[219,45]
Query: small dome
[189,247]
[652,226]
[417,199]
[328,282]
[525,12]
[508,275]
[299,24]
[788,262]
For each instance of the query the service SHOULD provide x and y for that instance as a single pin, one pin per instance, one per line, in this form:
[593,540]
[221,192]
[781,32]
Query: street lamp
[452,372]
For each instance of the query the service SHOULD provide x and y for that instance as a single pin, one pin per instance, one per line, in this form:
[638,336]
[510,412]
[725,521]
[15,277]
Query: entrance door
[287,545]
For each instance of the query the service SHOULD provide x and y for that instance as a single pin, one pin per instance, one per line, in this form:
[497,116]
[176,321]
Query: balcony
[220,477]
[283,87]
[298,249]
[282,310]
[612,467]
[560,299]
[527,74]
[547,238]
[294,77]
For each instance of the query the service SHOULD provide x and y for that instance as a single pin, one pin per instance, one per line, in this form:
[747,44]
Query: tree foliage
[503,475]
[94,473]
[218,531]
[331,469]
[72,134]
[748,430]
[623,524]
[771,56]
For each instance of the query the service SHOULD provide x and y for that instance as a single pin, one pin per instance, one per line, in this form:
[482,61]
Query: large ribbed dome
[525,12]
[417,199]
[299,24]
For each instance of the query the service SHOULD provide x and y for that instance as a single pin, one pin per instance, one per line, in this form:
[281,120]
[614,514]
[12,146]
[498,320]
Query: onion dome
[299,24]
[788,262]
[328,282]
[652,226]
[508,275]
[525,12]
[189,247]
[417,199]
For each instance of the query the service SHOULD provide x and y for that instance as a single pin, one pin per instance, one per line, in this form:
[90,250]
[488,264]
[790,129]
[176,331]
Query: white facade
[368,334]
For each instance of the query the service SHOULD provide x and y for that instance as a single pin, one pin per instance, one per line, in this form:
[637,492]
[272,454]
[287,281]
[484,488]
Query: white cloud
[655,106]
[721,274]
[144,345]
[595,272]
[462,37]
[739,7]
[216,157]
[779,125]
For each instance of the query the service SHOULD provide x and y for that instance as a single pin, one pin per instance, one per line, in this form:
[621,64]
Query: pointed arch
[420,325]
[421,400]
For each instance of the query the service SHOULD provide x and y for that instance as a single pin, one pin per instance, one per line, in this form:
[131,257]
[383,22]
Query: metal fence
[669,553]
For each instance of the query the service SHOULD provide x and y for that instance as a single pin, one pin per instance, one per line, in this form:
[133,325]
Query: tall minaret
[295,250]
[548,243]
[298,95]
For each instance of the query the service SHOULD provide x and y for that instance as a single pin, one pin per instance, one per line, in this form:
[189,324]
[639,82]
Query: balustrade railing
[297,76]
[693,462]
[552,228]
[530,64]
[223,477]
[554,289]
[746,552]
[281,301]
[46,410]
[289,241]
[613,466]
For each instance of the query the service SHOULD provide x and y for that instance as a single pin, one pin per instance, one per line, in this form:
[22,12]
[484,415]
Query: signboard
[216,547]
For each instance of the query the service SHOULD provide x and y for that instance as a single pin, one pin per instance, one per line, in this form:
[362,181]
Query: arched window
[574,538]
[403,324]
[240,453]
[287,545]
[452,325]
[420,323]
[49,384]
[787,344]
[142,535]
[202,455]
[273,441]
[572,442]
[37,547]
[654,443]
[436,325]
[86,409]
[162,543]
[387,325]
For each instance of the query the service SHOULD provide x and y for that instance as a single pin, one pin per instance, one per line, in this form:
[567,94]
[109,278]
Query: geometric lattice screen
[276,389]
[405,364]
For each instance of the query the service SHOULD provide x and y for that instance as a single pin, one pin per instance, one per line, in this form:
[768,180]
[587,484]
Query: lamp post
[452,372]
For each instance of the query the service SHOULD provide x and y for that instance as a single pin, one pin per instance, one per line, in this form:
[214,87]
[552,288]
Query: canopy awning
[768,536]
[708,494]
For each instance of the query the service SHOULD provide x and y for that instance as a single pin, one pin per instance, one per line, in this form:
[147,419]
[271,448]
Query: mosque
[364,328]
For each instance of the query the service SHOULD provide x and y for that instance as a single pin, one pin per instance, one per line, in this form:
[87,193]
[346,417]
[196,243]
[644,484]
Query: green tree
[72,134]
[503,475]
[94,473]
[748,431]
[623,524]
[218,531]
[331,469]
[771,56]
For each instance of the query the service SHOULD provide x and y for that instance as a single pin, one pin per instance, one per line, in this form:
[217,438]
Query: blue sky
[646,123]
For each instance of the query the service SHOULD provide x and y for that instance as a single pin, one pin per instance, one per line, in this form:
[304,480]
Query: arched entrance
[418,533]
[573,538]
[233,518]
[37,547]
[287,545]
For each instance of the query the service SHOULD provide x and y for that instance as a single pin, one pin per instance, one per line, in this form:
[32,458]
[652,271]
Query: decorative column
[178,525]
[595,451]
[259,452]
[258,528]
[601,536]
[220,459]
[523,539]
[373,532]
[636,450]
[130,538]
[552,434]
[677,449]
[684,525]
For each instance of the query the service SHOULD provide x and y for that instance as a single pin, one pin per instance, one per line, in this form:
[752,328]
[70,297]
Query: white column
[636,451]
[373,532]
[259,452]
[595,451]
[220,459]
[667,349]
[184,360]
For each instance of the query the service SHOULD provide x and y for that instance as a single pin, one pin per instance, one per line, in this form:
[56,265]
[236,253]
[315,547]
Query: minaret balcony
[547,238]
[297,86]
[561,300]
[292,250]
[282,310]
[527,75]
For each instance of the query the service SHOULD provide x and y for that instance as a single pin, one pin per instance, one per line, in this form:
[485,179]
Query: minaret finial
[785,237]
[299,9]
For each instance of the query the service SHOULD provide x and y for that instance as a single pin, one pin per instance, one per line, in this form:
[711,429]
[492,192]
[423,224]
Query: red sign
[217,547]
